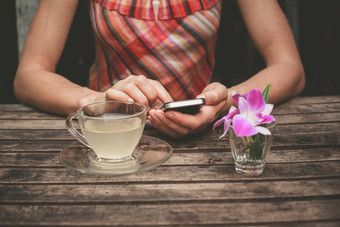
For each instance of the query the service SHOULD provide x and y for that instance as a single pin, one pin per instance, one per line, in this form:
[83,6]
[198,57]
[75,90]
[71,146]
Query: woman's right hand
[139,89]
[133,88]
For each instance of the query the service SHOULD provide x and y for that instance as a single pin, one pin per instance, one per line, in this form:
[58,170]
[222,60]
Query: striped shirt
[173,42]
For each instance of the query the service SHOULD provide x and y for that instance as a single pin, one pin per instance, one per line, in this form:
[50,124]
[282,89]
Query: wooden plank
[308,118]
[306,108]
[295,101]
[279,109]
[171,214]
[63,134]
[298,105]
[16,107]
[60,124]
[297,129]
[292,129]
[204,173]
[200,143]
[191,158]
[313,100]
[35,145]
[42,134]
[331,223]
[305,140]
[44,123]
[33,115]
[32,124]
[181,192]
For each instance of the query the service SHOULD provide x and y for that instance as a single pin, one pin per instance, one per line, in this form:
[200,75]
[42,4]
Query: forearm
[36,83]
[51,92]
[286,78]
[271,34]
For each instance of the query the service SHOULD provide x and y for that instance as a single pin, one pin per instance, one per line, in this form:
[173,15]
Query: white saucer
[149,153]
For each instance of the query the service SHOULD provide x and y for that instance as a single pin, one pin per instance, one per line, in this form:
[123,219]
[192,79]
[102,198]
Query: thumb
[214,93]
[211,97]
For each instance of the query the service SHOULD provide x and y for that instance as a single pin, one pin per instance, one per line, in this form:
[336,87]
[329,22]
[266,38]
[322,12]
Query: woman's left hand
[177,124]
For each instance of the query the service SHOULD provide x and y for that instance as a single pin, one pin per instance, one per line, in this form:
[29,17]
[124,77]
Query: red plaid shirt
[177,48]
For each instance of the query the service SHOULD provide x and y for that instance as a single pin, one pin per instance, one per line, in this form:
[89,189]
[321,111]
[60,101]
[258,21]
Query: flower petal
[227,120]
[266,119]
[256,101]
[243,127]
[217,123]
[236,97]
[232,108]
[232,113]
[243,105]
[263,130]
[226,128]
[268,109]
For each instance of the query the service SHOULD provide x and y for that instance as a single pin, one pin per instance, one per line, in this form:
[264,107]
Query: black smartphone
[190,106]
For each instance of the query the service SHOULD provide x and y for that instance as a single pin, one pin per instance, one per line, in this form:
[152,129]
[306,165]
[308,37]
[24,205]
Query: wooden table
[197,186]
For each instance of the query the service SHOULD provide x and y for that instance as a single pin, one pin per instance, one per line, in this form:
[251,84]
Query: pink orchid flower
[252,112]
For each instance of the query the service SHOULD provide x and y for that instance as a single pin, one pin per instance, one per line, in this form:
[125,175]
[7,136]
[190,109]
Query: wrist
[230,100]
[90,96]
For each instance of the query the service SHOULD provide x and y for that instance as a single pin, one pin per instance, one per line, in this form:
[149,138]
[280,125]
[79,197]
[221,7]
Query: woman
[151,51]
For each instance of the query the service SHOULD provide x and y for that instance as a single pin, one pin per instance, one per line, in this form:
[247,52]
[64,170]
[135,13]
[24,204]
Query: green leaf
[265,93]
[256,148]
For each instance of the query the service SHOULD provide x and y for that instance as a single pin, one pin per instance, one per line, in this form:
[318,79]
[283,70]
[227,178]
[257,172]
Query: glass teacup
[112,129]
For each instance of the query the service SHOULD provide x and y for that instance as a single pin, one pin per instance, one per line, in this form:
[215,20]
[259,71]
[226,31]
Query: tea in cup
[112,129]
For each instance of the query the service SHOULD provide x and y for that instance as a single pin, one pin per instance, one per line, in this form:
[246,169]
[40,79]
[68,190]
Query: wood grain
[172,214]
[197,186]
[170,193]
[166,174]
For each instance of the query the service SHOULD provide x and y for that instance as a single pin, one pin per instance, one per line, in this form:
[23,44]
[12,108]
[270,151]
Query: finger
[214,93]
[157,122]
[147,88]
[136,94]
[162,93]
[139,88]
[113,94]
[189,122]
[158,126]
[153,90]
[162,123]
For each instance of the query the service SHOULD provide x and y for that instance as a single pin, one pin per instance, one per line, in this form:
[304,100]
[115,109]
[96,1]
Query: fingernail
[200,96]
[130,99]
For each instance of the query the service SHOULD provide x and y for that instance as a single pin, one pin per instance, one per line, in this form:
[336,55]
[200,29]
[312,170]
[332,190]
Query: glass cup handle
[74,132]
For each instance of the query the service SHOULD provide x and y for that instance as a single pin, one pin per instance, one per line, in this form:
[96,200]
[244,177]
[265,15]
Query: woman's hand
[133,88]
[177,124]
[139,89]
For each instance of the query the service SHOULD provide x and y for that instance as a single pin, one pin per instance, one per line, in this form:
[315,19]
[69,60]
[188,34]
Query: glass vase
[250,152]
